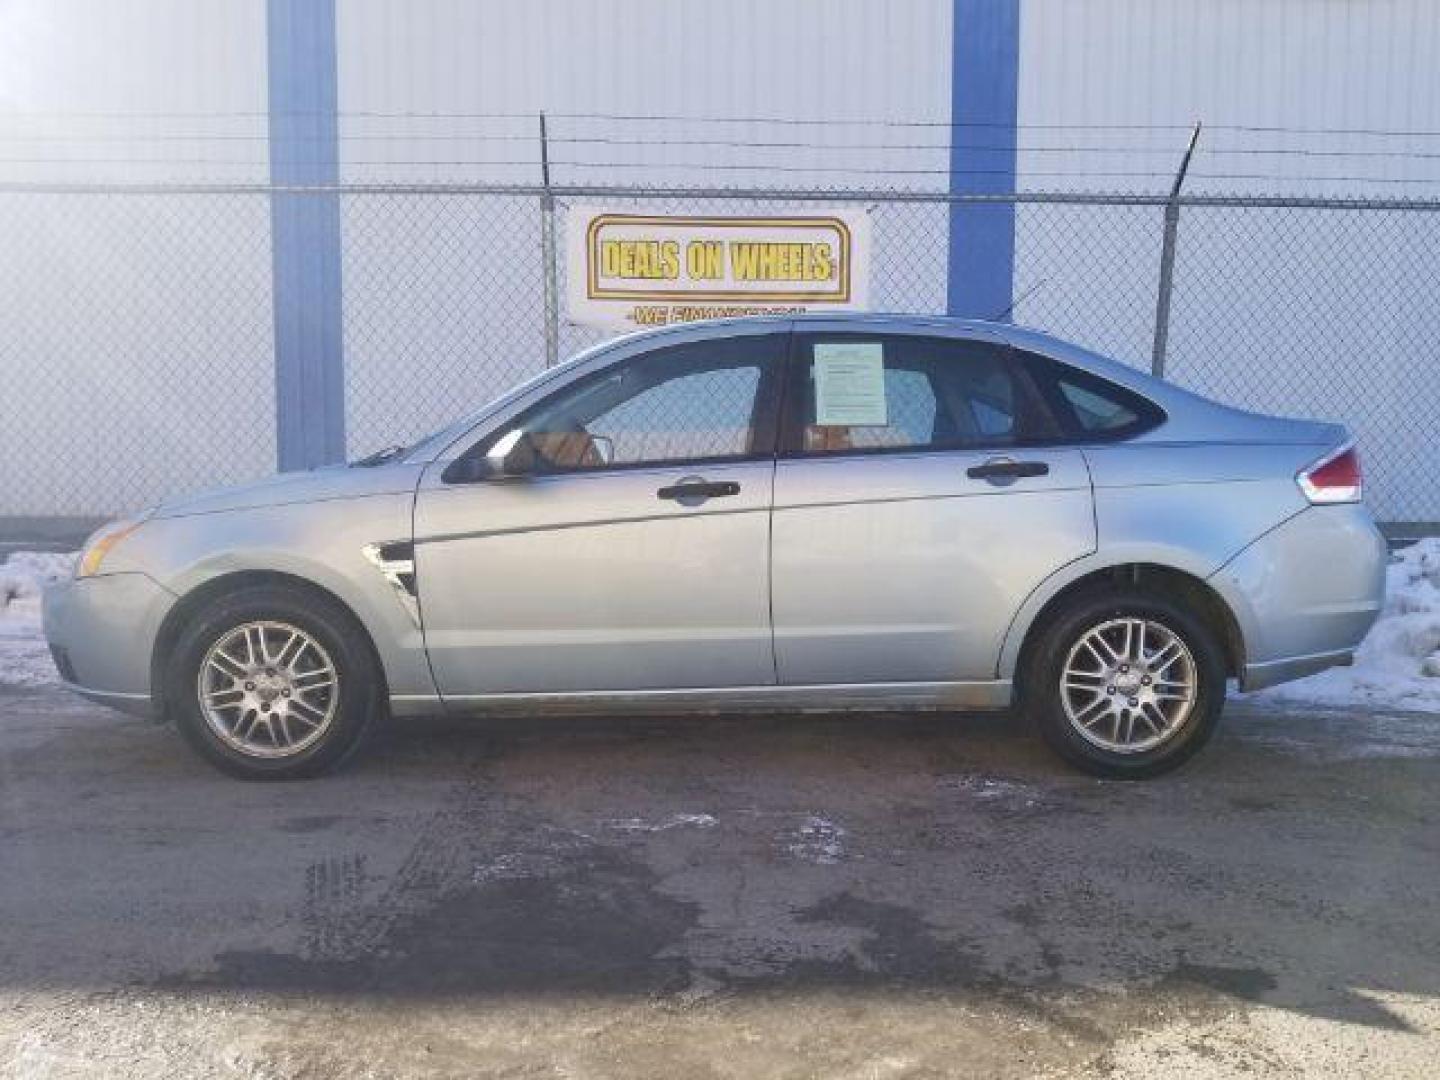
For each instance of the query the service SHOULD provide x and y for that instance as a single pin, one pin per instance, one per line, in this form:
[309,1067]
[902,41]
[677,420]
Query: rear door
[922,493]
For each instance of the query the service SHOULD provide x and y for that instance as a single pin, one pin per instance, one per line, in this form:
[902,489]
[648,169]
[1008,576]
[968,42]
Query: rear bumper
[1305,593]
[102,633]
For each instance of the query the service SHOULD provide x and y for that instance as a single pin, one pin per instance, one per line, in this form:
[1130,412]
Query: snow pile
[1398,664]
[24,658]
[24,573]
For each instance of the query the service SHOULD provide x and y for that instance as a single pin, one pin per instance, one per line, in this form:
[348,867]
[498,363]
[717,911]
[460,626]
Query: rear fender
[1170,557]
[1189,507]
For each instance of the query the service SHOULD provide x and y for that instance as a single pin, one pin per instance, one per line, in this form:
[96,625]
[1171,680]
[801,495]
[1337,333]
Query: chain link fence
[136,325]
[136,348]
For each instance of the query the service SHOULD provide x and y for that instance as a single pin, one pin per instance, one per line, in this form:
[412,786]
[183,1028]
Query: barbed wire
[749,154]
[620,117]
[829,192]
[755,144]
[826,169]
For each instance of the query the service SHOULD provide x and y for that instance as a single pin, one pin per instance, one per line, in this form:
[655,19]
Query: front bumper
[1306,593]
[102,633]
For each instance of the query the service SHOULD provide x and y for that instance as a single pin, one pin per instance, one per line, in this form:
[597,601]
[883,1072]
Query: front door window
[702,402]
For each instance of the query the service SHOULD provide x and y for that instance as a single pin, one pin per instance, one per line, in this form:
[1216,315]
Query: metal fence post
[1167,261]
[548,254]
[306,236]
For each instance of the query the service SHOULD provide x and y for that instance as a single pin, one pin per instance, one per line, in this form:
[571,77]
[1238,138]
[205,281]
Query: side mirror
[519,454]
[513,456]
[603,447]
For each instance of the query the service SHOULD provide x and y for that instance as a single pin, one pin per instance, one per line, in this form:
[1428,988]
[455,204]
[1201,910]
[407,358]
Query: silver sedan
[817,512]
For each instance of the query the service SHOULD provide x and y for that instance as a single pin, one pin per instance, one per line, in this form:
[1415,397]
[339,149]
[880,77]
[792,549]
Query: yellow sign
[629,270]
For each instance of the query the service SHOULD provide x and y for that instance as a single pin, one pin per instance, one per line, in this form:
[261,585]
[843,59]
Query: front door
[920,497]
[637,558]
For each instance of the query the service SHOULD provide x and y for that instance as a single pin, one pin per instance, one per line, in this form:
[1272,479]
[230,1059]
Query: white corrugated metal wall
[146,303]
[125,322]
[1281,86]
[674,94]
[458,69]
[1306,313]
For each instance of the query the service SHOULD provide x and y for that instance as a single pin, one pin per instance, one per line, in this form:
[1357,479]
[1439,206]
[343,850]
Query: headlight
[101,544]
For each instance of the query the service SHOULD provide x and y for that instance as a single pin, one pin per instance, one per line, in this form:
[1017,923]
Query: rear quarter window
[1089,407]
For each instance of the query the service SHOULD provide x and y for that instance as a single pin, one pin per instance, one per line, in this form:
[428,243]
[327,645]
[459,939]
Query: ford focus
[799,513]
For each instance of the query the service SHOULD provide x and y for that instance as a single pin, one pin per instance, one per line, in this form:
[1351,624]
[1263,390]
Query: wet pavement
[729,897]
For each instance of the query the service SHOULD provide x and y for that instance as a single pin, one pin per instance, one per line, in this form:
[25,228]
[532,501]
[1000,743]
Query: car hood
[317,485]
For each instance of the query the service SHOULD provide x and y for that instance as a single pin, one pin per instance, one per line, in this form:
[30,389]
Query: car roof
[1167,395]
[860,318]
[896,322]
[879,322]
[905,318]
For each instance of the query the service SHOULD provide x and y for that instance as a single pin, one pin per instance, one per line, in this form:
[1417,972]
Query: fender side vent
[396,551]
[396,560]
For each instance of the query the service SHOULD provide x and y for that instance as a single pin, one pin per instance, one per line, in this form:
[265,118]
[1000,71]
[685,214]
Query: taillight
[1335,478]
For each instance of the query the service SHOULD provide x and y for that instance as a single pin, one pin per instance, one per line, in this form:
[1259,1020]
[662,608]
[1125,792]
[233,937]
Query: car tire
[273,683]
[1130,724]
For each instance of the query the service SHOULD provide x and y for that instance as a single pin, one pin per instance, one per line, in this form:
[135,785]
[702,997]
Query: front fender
[322,543]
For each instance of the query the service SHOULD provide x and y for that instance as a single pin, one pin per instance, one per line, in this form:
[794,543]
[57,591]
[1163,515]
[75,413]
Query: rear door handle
[699,489]
[1005,469]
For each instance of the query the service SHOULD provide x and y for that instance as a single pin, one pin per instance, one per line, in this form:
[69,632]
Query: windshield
[431,444]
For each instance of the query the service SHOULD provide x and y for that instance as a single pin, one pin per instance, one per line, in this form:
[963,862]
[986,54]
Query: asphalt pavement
[856,896]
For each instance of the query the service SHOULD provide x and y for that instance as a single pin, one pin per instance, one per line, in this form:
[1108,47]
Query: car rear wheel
[272,683]
[1125,684]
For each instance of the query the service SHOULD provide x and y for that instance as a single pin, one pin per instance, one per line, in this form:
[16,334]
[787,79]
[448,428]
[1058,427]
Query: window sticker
[850,384]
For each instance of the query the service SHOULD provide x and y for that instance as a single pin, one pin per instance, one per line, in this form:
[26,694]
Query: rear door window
[853,393]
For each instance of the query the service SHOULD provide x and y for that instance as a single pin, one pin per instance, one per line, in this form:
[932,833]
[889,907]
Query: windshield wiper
[379,457]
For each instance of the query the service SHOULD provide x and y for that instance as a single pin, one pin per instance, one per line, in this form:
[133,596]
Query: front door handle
[698,490]
[1005,469]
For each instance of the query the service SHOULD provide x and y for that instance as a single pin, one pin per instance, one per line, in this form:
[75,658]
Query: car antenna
[1023,296]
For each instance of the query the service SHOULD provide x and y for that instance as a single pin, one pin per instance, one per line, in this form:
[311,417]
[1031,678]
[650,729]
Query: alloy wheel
[268,689]
[1129,685]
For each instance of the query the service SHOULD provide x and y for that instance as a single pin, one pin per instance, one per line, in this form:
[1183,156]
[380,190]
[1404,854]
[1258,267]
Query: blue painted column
[305,234]
[984,76]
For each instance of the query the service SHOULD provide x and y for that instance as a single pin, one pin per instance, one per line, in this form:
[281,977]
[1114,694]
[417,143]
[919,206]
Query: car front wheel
[270,683]
[1125,684]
